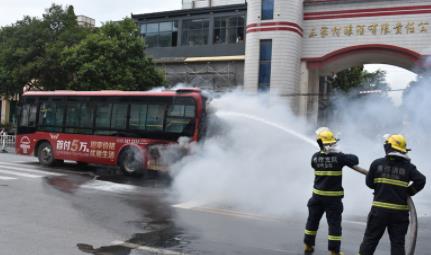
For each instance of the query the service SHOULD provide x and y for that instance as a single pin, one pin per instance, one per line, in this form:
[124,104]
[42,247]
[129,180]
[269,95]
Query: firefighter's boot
[336,253]
[308,249]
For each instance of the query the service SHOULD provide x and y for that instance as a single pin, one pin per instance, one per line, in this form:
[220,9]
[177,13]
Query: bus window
[86,116]
[51,115]
[155,117]
[24,115]
[32,116]
[180,119]
[119,116]
[190,111]
[79,117]
[138,116]
[28,115]
[176,110]
[103,115]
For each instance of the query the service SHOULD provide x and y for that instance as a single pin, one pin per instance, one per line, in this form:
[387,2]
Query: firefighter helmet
[397,142]
[325,136]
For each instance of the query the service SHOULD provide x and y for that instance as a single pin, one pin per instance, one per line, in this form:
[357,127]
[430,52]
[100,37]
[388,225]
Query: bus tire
[81,164]
[45,154]
[131,162]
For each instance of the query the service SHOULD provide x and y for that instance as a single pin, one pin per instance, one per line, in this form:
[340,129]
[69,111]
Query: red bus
[121,128]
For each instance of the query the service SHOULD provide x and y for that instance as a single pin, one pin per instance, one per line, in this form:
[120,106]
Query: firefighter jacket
[393,179]
[328,172]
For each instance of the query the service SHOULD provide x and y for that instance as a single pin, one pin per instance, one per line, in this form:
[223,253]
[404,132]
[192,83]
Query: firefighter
[328,191]
[390,177]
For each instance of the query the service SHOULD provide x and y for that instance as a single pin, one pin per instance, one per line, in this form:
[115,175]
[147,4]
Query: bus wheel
[45,154]
[131,162]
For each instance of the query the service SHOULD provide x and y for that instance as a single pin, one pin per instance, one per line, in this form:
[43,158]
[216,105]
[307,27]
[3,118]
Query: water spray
[412,209]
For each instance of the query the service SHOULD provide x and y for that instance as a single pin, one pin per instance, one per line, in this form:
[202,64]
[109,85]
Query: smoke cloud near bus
[248,162]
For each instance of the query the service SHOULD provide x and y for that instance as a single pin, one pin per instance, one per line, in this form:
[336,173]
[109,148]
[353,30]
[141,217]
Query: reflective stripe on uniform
[328,193]
[310,232]
[391,206]
[334,238]
[329,173]
[391,182]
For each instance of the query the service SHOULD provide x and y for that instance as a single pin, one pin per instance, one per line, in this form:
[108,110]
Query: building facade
[8,107]
[291,45]
[85,21]
[203,46]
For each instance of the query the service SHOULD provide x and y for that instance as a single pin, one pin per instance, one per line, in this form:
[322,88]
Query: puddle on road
[159,232]
[156,220]
[67,183]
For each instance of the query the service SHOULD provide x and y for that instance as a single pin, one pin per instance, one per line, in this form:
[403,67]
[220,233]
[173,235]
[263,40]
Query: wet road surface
[91,210]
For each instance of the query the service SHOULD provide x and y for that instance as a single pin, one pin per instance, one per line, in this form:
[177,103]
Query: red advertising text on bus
[108,127]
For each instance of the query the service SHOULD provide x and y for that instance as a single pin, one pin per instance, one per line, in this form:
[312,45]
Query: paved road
[90,210]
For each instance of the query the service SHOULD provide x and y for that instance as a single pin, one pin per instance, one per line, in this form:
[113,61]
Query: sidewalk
[9,150]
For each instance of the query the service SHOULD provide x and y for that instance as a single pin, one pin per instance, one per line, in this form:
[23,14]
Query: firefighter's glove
[411,191]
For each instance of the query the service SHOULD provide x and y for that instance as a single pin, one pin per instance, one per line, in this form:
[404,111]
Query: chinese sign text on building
[398,28]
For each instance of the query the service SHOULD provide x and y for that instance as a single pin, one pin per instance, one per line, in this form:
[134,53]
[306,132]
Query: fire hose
[413,227]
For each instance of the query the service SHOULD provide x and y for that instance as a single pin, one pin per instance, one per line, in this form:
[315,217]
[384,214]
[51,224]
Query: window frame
[265,60]
[238,28]
[186,31]
[55,127]
[267,13]
[172,32]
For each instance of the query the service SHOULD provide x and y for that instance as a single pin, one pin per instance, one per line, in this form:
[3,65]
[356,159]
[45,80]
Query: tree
[111,58]
[355,79]
[375,111]
[31,50]
[54,52]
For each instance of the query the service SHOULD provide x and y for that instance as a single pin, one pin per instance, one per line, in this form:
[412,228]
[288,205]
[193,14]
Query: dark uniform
[327,195]
[390,178]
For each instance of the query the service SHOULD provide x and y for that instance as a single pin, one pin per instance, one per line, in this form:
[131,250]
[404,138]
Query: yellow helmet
[326,136]
[397,142]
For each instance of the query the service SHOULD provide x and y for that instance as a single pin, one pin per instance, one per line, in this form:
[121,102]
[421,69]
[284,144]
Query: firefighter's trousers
[379,219]
[333,207]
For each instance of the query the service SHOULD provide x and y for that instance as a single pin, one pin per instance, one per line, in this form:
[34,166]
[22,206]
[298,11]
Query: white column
[5,111]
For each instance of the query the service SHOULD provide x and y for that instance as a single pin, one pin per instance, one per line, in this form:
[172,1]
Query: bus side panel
[91,149]
[24,144]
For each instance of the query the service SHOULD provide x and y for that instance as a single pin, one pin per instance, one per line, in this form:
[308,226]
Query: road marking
[188,205]
[355,222]
[109,186]
[225,212]
[33,162]
[40,171]
[7,178]
[147,248]
[18,174]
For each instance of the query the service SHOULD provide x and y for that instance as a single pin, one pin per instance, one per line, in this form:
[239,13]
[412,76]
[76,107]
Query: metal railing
[7,141]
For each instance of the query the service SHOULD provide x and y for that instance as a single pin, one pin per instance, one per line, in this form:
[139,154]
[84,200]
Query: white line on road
[7,178]
[225,212]
[196,206]
[18,174]
[355,222]
[109,186]
[12,166]
[147,248]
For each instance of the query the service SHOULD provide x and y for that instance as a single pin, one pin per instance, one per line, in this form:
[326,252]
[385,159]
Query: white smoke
[249,162]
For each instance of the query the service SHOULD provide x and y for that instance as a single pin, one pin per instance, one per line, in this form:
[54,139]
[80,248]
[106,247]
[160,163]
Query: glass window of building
[265,65]
[160,34]
[267,9]
[229,29]
[195,32]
